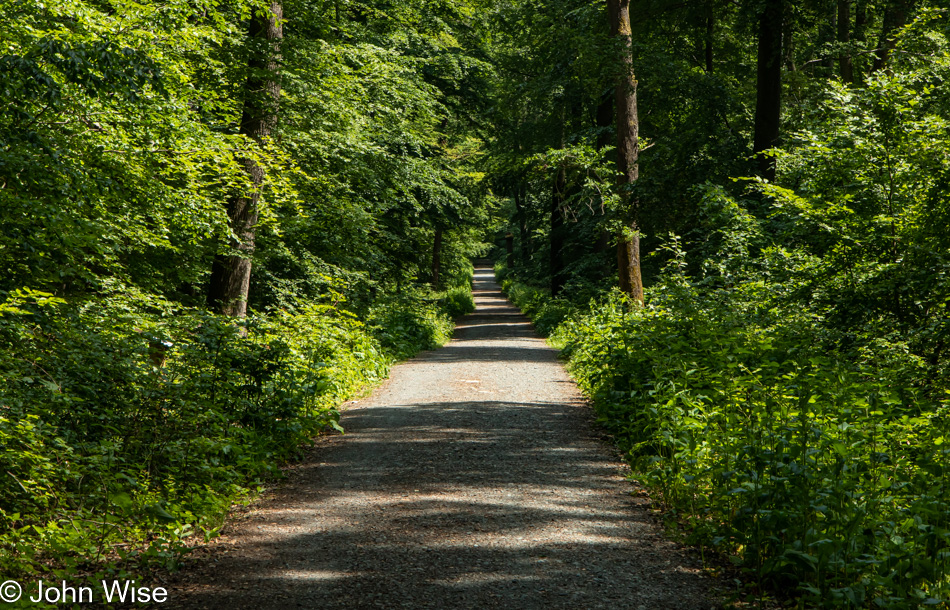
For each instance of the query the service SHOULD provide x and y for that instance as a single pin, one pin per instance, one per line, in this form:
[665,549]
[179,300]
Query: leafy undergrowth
[546,313]
[130,425]
[816,461]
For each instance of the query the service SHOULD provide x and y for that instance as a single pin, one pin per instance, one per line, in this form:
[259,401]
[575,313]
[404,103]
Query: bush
[457,302]
[820,465]
[545,312]
[129,424]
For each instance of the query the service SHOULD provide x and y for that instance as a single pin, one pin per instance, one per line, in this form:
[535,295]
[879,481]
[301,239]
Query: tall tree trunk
[895,17]
[558,195]
[437,258]
[605,137]
[861,20]
[845,67]
[605,120]
[768,103]
[628,151]
[231,273]
[521,213]
[710,30]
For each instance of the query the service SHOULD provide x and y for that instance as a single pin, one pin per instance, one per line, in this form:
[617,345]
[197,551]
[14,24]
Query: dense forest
[222,220]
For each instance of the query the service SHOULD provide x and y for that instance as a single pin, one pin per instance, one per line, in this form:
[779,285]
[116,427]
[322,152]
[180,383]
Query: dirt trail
[471,479]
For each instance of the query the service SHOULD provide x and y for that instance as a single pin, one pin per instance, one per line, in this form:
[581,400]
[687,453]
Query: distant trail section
[473,478]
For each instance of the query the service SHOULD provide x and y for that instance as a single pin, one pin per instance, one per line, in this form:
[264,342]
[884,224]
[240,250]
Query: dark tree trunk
[861,20]
[231,273]
[605,137]
[710,30]
[628,151]
[845,67]
[558,196]
[860,35]
[605,120]
[768,104]
[510,250]
[895,17]
[437,259]
[521,213]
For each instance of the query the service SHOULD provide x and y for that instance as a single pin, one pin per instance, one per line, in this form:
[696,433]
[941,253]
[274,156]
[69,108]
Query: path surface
[471,479]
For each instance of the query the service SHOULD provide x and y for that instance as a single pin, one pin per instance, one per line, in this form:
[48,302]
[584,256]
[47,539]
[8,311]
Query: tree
[895,17]
[628,150]
[231,272]
[768,104]
[845,65]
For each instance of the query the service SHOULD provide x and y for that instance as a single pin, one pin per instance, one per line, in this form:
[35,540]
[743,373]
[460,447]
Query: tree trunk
[710,29]
[437,258]
[895,17]
[231,273]
[628,151]
[768,104]
[845,67]
[861,20]
[558,195]
[522,215]
[605,120]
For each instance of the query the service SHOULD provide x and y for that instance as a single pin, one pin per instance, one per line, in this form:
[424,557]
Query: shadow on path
[471,480]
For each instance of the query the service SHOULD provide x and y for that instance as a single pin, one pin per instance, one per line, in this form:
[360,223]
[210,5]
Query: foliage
[173,415]
[130,417]
[784,391]
[546,313]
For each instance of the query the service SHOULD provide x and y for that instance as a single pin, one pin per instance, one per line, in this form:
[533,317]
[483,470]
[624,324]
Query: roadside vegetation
[218,222]
[781,386]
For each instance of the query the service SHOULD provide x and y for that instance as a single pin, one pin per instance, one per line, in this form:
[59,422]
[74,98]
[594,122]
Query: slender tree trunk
[558,194]
[861,20]
[521,213]
[845,67]
[859,36]
[605,137]
[710,30]
[768,104]
[231,273]
[605,120]
[895,17]
[628,151]
[437,258]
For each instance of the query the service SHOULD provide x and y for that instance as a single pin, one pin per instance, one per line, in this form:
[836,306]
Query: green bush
[545,312]
[407,324]
[819,464]
[129,423]
[457,302]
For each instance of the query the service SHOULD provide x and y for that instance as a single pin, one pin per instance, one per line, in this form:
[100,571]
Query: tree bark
[628,151]
[605,137]
[895,17]
[521,213]
[437,258]
[768,104]
[231,273]
[861,20]
[845,66]
[558,194]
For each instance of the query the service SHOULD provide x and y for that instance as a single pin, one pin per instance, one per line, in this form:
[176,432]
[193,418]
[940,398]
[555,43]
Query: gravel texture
[471,479]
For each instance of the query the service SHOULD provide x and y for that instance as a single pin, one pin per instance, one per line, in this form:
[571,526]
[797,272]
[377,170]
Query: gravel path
[471,479]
